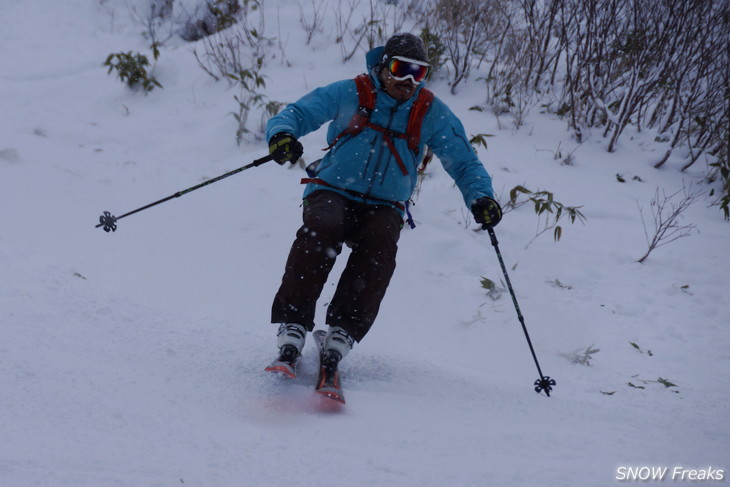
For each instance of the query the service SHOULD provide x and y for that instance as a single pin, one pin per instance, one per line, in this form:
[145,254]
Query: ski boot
[333,348]
[290,340]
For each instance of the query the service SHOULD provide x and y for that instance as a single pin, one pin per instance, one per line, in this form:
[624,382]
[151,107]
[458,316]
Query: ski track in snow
[136,358]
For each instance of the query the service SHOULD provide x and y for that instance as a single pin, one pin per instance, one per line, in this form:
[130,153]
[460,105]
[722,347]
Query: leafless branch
[666,212]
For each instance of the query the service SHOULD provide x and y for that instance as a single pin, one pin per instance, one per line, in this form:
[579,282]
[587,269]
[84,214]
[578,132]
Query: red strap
[365,91]
[427,157]
[415,120]
[388,136]
[366,104]
[366,95]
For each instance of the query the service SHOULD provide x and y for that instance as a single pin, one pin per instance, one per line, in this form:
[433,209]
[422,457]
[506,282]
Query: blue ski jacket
[363,163]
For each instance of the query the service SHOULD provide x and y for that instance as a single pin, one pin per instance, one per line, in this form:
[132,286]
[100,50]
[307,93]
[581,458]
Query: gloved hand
[285,148]
[486,211]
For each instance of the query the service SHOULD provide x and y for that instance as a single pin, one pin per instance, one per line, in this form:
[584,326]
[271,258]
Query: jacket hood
[373,57]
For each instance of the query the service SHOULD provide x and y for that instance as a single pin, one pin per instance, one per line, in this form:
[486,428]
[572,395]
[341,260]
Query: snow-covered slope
[135,358]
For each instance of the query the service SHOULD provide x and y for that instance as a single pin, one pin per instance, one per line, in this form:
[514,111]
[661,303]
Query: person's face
[401,90]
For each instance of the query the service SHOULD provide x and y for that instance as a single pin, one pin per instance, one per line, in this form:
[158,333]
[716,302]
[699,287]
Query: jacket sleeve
[311,111]
[449,143]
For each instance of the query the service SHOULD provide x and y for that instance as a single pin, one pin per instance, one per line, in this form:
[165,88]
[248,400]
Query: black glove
[486,211]
[285,148]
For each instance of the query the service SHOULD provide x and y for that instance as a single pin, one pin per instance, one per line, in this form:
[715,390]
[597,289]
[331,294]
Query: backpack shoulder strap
[365,91]
[365,105]
[415,120]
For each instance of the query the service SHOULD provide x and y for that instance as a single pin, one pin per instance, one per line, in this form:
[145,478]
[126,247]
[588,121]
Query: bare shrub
[380,21]
[237,55]
[721,170]
[229,52]
[666,212]
[312,22]
[154,17]
[651,64]
[459,27]
[212,16]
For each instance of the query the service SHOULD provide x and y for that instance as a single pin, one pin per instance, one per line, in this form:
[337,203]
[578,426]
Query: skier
[357,193]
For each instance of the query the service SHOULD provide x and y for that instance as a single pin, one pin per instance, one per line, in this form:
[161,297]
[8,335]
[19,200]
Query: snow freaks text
[644,473]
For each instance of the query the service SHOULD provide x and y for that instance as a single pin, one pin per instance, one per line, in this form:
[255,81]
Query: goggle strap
[409,60]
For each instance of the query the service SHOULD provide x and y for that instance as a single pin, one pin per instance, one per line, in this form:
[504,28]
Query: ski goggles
[402,68]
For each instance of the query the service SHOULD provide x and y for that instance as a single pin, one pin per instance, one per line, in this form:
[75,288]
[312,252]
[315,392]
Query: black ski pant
[330,220]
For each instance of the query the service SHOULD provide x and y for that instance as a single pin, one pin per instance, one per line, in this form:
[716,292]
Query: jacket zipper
[383,148]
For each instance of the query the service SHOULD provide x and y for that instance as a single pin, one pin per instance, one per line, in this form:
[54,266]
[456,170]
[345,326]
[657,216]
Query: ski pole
[109,221]
[544,383]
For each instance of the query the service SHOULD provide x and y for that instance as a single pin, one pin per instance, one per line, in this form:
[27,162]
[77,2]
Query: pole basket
[545,384]
[108,222]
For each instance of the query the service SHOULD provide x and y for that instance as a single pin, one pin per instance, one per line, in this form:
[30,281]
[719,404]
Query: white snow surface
[136,358]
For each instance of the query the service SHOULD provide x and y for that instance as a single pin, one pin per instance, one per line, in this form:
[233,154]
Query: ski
[286,364]
[328,382]
[282,367]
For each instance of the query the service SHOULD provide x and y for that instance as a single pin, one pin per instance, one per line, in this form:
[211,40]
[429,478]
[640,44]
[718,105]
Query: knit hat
[406,45]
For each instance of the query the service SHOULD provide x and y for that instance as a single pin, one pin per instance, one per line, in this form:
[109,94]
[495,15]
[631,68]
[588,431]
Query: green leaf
[488,284]
[666,383]
[557,233]
[514,192]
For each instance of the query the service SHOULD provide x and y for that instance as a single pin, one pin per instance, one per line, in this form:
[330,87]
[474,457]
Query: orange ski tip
[280,369]
[332,395]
